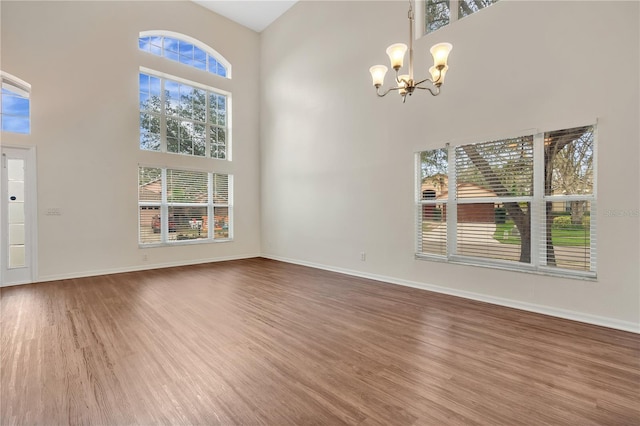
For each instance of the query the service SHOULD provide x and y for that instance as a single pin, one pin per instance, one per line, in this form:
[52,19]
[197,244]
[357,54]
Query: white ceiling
[254,14]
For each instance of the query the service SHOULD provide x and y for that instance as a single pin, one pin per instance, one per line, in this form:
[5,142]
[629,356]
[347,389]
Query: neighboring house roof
[151,191]
[469,190]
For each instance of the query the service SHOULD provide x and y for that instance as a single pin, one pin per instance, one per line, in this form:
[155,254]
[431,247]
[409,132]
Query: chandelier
[406,84]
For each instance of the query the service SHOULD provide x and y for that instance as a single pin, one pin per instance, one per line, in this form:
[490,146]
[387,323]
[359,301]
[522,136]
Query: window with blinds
[182,205]
[432,202]
[525,202]
[494,178]
[568,216]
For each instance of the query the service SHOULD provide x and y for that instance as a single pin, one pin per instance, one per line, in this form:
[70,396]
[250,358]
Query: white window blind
[502,168]
[495,179]
[568,217]
[150,190]
[524,202]
[187,202]
[181,205]
[221,205]
[432,202]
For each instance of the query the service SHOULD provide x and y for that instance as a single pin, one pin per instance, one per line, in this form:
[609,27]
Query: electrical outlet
[145,257]
[363,256]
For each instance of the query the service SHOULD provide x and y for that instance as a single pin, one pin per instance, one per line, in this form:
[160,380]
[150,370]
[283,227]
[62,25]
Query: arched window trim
[183,37]
[13,83]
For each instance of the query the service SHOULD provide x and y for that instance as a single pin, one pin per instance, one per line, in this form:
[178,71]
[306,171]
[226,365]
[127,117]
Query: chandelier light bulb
[440,53]
[396,55]
[377,74]
[437,76]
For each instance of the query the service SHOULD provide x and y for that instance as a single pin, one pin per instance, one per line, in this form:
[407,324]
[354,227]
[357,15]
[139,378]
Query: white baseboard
[142,268]
[530,307]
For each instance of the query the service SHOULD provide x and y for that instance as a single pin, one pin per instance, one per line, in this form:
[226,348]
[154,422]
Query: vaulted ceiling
[254,14]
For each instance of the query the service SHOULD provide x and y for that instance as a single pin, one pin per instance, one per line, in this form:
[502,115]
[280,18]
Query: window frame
[163,116]
[19,88]
[453,17]
[537,213]
[164,204]
[187,39]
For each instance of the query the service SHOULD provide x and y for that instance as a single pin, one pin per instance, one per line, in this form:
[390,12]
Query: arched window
[15,105]
[186,50]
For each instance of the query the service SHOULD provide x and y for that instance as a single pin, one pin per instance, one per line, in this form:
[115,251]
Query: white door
[17,216]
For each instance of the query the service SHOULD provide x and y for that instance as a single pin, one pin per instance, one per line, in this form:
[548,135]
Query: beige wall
[82,61]
[338,163]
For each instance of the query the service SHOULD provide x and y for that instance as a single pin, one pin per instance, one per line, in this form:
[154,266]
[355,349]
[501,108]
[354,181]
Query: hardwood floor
[255,342]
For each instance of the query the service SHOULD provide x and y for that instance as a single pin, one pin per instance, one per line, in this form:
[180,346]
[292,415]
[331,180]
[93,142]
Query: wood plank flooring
[259,342]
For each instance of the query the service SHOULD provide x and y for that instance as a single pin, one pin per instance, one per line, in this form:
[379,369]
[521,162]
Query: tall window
[439,13]
[182,118]
[183,206]
[185,50]
[15,105]
[510,204]
[179,116]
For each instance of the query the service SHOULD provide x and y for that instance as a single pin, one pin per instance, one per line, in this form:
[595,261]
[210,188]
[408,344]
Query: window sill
[508,266]
[185,243]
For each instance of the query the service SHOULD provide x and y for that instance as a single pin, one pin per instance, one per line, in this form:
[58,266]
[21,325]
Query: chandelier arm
[434,82]
[436,93]
[387,91]
[423,81]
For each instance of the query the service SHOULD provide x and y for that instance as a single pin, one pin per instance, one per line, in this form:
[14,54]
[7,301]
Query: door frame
[31,214]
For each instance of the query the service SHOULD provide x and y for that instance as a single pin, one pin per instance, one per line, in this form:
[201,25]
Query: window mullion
[228,137]
[207,130]
[164,209]
[210,221]
[417,198]
[452,203]
[538,207]
[420,18]
[163,118]
[454,10]
[593,214]
[230,186]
